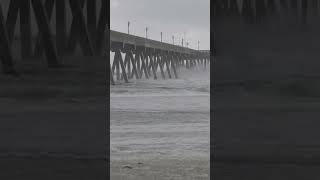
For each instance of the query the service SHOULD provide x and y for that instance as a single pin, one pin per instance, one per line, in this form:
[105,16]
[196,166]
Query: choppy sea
[161,118]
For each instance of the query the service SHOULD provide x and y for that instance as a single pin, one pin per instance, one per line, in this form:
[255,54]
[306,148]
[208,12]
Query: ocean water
[161,118]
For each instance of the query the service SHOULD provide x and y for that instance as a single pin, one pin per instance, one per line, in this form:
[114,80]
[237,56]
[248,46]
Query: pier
[53,28]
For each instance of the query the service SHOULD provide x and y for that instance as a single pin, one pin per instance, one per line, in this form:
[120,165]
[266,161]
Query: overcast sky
[189,18]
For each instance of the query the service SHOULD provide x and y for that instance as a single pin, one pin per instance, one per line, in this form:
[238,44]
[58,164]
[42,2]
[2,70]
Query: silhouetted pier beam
[46,34]
[127,61]
[159,62]
[133,72]
[103,20]
[190,61]
[150,55]
[25,28]
[187,59]
[61,27]
[181,60]
[118,62]
[141,61]
[5,48]
[196,61]
[86,29]
[48,5]
[166,62]
[193,61]
[80,30]
[173,61]
[176,61]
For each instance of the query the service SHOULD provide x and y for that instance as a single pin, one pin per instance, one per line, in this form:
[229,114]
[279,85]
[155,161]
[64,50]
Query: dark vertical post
[173,65]
[61,28]
[143,65]
[46,34]
[146,55]
[137,61]
[49,5]
[5,50]
[134,67]
[166,61]
[111,76]
[120,62]
[92,18]
[127,59]
[205,64]
[12,18]
[152,64]
[81,28]
[25,28]
[73,32]
[160,62]
[102,23]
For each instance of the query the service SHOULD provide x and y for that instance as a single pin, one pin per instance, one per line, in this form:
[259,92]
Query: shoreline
[161,168]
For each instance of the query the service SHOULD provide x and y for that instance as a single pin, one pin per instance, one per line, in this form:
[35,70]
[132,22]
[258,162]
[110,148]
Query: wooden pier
[145,58]
[56,33]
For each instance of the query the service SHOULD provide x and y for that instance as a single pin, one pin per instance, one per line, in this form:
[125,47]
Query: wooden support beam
[143,65]
[25,28]
[127,64]
[116,66]
[46,34]
[5,48]
[13,11]
[137,62]
[61,26]
[134,67]
[146,58]
[187,62]
[92,18]
[102,23]
[38,50]
[173,66]
[152,65]
[166,61]
[111,77]
[73,33]
[205,64]
[81,32]
[123,69]
[160,63]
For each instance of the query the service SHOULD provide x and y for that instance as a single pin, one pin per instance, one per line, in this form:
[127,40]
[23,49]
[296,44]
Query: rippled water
[155,118]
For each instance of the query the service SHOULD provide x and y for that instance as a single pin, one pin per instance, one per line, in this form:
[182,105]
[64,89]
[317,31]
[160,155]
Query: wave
[193,81]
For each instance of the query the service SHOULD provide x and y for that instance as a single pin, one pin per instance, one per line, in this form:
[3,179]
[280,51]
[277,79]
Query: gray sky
[171,17]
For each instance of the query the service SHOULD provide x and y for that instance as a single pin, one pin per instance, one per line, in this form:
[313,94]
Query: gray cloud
[172,17]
